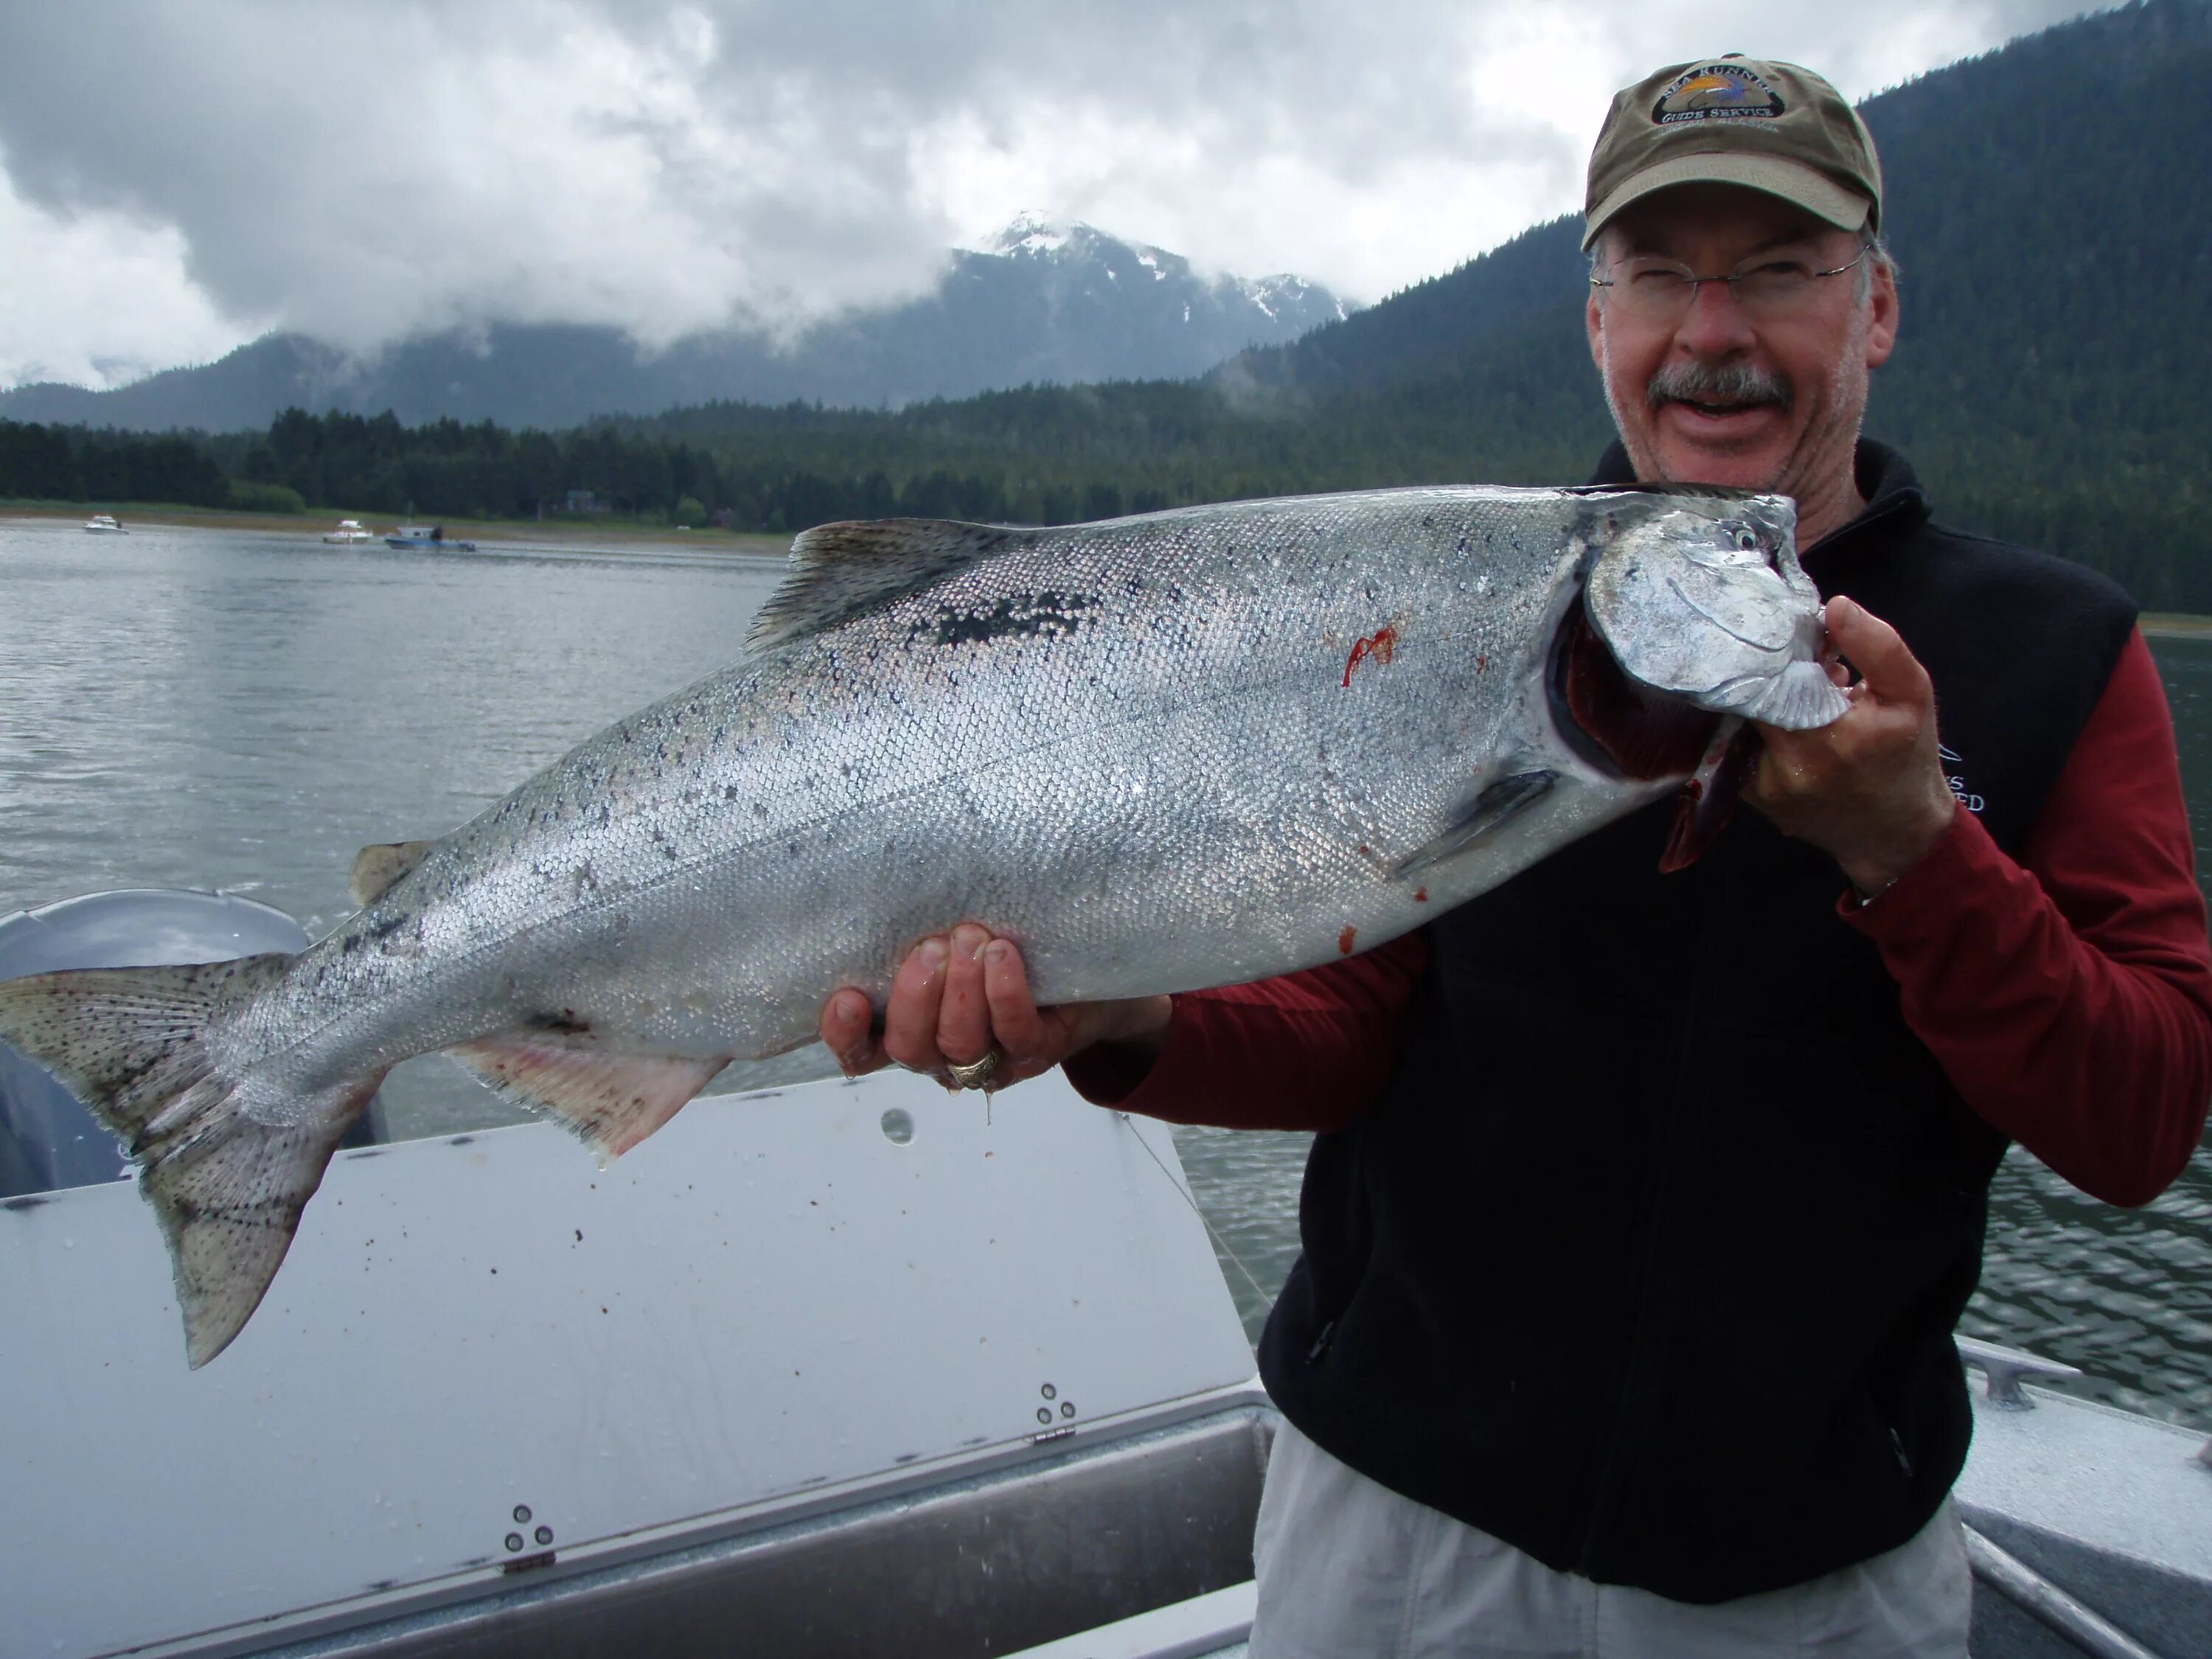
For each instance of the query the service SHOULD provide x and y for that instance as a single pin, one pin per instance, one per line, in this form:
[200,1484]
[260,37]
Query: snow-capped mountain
[1042,301]
[1082,251]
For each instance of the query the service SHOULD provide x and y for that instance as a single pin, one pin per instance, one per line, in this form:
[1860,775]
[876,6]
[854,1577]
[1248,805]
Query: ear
[1593,323]
[1881,326]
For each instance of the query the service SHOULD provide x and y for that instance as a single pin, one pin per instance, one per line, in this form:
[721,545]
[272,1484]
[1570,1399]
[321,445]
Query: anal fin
[611,1100]
[1503,800]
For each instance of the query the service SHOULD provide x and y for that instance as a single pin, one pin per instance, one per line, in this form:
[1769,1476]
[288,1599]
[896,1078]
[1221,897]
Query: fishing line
[1184,1192]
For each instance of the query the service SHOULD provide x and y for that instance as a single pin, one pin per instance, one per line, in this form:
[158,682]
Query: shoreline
[615,536]
[566,533]
[2174,625]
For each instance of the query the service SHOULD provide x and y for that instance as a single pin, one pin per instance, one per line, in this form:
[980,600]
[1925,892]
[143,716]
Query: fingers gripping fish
[1164,752]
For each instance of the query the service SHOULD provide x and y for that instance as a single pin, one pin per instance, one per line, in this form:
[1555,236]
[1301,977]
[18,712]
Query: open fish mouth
[1622,727]
[1676,644]
[1626,730]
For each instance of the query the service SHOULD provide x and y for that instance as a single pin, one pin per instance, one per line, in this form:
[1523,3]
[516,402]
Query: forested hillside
[2051,375]
[2050,382]
[2049,204]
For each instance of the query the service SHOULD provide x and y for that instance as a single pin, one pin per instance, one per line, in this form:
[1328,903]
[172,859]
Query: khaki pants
[1348,1568]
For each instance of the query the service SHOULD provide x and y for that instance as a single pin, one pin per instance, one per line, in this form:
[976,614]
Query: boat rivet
[1067,1409]
[545,1534]
[514,1541]
[1044,1413]
[522,1513]
[1049,1392]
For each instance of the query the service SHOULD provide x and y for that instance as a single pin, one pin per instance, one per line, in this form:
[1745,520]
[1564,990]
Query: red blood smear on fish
[1344,941]
[1420,895]
[1382,645]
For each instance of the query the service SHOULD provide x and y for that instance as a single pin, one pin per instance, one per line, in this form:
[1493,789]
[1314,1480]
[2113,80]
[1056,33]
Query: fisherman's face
[1728,394]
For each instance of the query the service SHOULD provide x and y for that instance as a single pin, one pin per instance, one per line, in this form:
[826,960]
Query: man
[1644,1207]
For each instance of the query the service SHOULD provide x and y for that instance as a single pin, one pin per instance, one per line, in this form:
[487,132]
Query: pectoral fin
[1496,805]
[612,1101]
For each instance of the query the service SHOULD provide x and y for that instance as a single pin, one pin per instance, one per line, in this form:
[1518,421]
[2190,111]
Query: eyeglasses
[1650,290]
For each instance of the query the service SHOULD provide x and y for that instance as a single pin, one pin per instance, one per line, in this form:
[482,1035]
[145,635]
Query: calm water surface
[223,709]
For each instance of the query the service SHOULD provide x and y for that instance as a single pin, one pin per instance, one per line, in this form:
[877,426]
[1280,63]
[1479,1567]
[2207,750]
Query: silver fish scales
[1163,752]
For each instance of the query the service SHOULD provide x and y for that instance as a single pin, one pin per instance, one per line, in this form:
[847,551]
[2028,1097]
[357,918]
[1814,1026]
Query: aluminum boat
[840,1369]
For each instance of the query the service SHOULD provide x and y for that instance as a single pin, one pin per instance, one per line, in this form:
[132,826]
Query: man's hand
[954,997]
[1869,790]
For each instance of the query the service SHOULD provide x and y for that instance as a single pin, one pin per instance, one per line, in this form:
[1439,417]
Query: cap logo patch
[1716,92]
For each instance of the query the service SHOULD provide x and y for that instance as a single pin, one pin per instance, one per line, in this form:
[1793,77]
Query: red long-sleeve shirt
[2068,996]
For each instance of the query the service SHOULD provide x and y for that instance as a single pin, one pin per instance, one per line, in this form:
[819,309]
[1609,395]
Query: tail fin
[228,1185]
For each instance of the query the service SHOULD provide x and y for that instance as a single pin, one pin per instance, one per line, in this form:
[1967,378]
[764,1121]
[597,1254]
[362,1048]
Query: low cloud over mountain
[175,180]
[1040,301]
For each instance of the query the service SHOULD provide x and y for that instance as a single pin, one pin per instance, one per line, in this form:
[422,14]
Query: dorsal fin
[377,869]
[841,571]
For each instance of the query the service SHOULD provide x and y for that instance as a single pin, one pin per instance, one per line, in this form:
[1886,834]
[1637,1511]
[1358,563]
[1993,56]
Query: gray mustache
[1721,383]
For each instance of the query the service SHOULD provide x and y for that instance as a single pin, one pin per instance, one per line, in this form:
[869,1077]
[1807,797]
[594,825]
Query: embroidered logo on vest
[1967,799]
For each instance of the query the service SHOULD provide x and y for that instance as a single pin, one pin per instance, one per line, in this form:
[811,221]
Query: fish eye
[1747,541]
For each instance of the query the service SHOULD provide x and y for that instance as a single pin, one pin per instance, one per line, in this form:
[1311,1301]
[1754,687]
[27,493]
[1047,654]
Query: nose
[1715,325]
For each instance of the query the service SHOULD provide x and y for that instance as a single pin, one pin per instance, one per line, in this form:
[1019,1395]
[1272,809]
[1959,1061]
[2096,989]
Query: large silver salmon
[1181,749]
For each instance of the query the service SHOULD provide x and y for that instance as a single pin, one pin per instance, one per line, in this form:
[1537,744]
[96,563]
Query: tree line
[2108,474]
[59,463]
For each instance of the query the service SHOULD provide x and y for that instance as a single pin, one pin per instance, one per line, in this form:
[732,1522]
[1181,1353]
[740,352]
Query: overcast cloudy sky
[178,176]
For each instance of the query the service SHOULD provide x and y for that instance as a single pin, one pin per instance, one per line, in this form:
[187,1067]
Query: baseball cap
[1769,126]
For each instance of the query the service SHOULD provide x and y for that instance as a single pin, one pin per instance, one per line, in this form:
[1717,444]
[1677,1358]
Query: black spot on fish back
[1046,615]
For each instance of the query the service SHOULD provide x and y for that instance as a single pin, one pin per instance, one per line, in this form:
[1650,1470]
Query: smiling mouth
[1715,411]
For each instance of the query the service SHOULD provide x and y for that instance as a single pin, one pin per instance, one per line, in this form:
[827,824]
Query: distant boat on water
[103,524]
[414,535]
[348,531]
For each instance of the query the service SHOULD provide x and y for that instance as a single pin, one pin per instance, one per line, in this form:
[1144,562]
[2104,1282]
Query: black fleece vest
[1649,1259]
